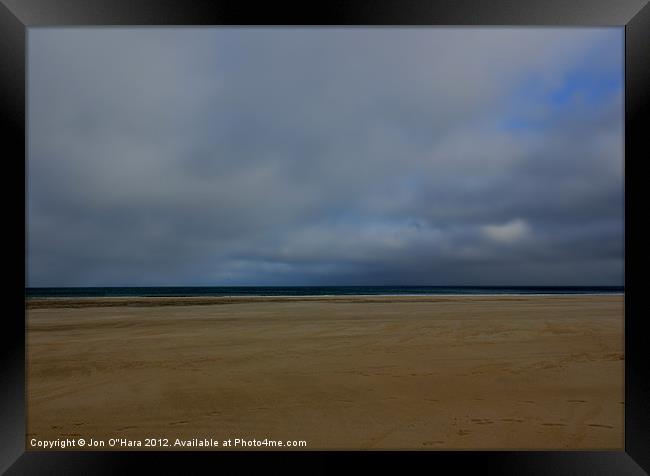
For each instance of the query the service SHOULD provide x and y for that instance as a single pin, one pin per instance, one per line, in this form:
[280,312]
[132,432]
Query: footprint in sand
[182,422]
[580,426]
[482,421]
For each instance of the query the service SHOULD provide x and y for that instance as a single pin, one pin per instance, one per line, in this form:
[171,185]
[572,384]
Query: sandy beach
[377,372]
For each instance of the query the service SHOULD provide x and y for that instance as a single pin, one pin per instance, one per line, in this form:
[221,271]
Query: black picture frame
[16,16]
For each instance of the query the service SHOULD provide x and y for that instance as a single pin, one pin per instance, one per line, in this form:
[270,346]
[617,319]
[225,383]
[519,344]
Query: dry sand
[424,372]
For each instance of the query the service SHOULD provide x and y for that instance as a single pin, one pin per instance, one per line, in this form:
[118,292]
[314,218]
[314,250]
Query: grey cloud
[320,156]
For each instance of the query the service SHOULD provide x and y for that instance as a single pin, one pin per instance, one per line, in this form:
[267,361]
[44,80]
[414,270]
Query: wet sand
[421,372]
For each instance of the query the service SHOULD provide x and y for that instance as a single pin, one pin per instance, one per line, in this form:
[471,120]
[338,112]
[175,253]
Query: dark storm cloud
[325,156]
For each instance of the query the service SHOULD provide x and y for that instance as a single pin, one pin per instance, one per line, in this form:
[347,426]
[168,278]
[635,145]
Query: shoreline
[58,302]
[30,301]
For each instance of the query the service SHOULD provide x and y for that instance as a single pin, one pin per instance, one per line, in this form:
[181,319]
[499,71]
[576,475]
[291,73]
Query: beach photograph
[325,238]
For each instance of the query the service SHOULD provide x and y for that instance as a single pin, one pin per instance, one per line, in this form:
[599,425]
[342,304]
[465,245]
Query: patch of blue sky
[588,86]
[590,82]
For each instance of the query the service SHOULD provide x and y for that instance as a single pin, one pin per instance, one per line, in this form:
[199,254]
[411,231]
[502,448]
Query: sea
[180,291]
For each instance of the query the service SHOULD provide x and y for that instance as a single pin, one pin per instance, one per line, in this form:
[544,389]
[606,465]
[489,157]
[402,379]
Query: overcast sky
[283,156]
